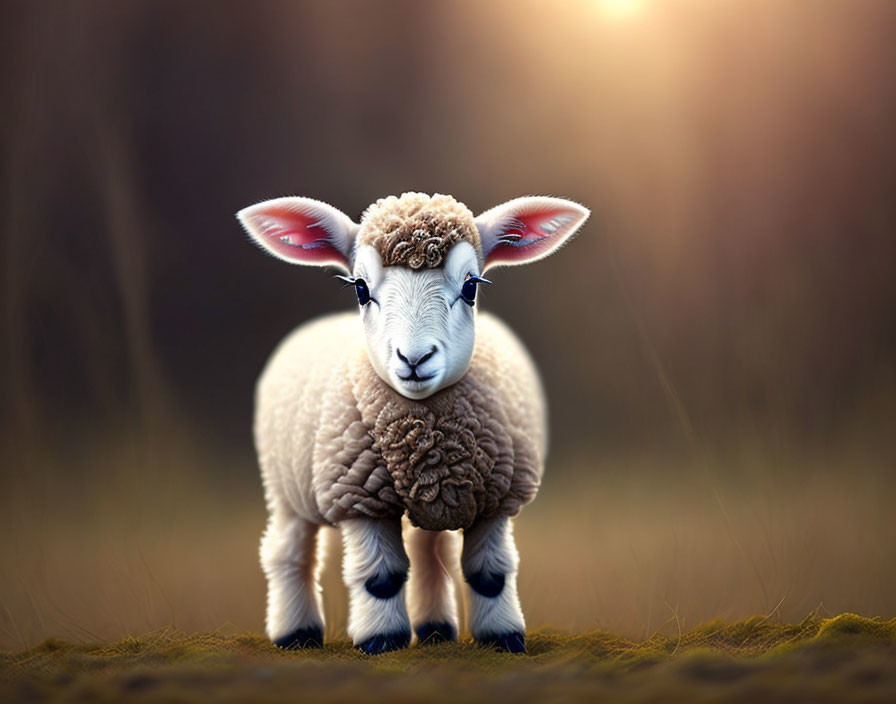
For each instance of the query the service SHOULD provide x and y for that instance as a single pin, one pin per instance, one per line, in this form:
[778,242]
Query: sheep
[418,406]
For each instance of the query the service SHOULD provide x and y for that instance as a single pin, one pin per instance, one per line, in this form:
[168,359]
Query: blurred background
[718,344]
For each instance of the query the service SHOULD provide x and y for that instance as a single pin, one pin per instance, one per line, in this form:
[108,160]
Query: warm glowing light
[620,8]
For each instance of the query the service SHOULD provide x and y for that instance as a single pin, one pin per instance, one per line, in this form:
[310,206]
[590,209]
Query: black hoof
[487,583]
[301,638]
[508,642]
[385,586]
[433,632]
[385,643]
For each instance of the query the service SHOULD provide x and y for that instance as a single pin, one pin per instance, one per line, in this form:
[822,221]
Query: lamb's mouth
[414,377]
[416,387]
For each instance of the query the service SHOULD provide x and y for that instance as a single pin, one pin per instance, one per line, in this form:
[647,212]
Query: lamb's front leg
[375,568]
[290,560]
[490,563]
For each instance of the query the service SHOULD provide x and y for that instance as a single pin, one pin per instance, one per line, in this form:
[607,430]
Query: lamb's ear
[527,229]
[301,231]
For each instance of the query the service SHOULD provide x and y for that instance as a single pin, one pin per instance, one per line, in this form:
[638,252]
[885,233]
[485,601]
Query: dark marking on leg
[433,632]
[508,642]
[311,637]
[385,643]
[488,584]
[385,586]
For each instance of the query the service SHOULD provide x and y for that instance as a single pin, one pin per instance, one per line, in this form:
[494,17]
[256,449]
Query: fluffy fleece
[473,450]
[417,230]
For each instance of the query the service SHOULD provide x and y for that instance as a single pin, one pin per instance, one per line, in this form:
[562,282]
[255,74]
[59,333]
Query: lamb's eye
[468,290]
[362,291]
[360,285]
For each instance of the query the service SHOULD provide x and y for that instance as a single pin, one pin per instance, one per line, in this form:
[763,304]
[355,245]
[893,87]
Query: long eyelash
[349,280]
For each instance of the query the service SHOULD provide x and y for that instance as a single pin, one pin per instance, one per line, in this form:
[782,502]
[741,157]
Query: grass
[845,658]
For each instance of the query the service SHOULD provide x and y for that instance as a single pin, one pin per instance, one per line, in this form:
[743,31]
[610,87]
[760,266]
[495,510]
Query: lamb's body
[415,405]
[335,442]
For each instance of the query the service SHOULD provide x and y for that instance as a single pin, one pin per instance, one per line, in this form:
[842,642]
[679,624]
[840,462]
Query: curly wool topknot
[417,230]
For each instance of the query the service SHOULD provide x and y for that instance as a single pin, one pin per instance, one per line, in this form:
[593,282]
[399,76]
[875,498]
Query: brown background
[718,344]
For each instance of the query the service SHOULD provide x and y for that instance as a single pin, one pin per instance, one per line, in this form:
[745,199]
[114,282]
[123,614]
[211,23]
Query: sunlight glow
[621,8]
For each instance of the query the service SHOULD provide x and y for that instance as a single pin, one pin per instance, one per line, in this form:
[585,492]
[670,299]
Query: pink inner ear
[530,235]
[295,235]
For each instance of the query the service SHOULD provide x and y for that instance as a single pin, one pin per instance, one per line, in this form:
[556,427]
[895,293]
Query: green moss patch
[844,658]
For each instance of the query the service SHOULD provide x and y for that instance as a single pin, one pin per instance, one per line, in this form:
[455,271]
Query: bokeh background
[718,343]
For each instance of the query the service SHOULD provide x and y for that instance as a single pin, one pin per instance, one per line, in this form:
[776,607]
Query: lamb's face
[419,324]
[418,311]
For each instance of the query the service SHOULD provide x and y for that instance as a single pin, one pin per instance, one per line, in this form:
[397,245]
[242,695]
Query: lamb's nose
[414,363]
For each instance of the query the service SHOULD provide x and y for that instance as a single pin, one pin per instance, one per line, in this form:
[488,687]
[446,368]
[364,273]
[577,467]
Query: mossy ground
[846,658]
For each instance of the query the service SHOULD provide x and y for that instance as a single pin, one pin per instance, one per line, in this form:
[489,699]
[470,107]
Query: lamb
[418,406]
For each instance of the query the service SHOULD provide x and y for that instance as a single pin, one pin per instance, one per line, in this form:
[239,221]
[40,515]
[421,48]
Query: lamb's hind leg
[432,602]
[290,560]
[490,563]
[375,569]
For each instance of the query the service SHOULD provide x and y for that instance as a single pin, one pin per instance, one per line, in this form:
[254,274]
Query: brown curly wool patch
[450,460]
[417,230]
